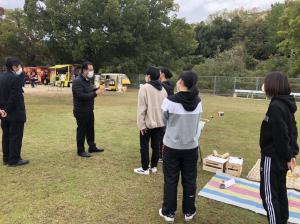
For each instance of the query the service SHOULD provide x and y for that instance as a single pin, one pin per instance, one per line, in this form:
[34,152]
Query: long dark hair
[277,83]
[190,80]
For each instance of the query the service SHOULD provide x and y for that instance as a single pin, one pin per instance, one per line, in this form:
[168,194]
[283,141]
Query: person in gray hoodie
[181,114]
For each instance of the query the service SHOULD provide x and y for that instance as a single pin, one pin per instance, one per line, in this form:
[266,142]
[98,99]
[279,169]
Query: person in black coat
[278,143]
[165,76]
[84,94]
[13,115]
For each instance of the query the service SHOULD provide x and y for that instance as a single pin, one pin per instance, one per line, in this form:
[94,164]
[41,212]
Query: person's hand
[3,113]
[100,91]
[144,131]
[292,164]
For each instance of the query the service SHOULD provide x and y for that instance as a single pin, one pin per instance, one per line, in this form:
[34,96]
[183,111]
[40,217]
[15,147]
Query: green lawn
[59,187]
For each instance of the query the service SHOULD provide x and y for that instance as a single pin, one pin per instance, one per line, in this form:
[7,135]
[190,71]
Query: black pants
[273,190]
[85,130]
[155,136]
[12,138]
[176,161]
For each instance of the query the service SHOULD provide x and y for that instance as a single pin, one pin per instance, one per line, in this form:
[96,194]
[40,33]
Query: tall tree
[119,35]
[18,40]
[290,32]
[217,35]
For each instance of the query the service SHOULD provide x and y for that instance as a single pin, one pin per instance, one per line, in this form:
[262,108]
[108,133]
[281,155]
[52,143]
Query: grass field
[59,187]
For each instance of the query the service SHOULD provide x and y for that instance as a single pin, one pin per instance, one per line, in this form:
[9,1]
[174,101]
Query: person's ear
[180,82]
[15,68]
[263,88]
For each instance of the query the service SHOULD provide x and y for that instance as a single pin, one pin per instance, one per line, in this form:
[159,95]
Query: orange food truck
[42,74]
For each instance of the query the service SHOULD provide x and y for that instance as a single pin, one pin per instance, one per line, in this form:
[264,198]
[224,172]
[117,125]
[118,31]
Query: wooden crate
[213,166]
[234,169]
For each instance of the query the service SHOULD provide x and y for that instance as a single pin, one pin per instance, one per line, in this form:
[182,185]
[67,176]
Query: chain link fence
[137,80]
[220,85]
[226,86]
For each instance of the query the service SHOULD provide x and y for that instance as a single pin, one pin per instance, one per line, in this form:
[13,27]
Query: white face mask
[147,78]
[19,72]
[91,74]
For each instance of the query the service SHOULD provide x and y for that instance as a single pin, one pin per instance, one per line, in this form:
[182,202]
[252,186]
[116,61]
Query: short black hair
[167,72]
[12,61]
[153,72]
[85,65]
[276,84]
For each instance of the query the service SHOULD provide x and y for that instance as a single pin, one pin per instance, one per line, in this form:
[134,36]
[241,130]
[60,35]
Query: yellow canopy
[126,82]
[60,66]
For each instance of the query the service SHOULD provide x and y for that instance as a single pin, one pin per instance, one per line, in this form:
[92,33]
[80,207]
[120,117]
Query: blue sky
[192,10]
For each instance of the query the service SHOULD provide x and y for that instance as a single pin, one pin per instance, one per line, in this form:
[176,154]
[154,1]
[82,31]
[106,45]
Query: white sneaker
[153,170]
[167,218]
[141,171]
[189,217]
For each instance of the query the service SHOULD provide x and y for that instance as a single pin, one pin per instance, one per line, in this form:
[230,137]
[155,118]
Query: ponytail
[190,80]
[195,90]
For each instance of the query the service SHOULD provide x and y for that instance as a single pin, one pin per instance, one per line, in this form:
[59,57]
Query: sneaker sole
[161,215]
[145,174]
[189,220]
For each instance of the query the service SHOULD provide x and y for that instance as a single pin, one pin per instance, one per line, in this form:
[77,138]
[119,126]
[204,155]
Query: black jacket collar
[156,84]
[83,78]
[188,100]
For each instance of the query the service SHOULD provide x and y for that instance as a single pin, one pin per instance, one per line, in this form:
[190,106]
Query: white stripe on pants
[268,193]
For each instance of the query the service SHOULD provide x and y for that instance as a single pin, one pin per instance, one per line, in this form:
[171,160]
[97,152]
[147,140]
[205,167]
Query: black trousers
[273,190]
[176,162]
[155,136]
[12,137]
[85,130]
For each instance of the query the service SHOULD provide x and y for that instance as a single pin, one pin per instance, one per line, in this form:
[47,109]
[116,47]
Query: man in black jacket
[13,113]
[84,94]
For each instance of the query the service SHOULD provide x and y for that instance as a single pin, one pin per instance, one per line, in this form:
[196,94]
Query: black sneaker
[168,218]
[19,163]
[96,150]
[189,217]
[84,154]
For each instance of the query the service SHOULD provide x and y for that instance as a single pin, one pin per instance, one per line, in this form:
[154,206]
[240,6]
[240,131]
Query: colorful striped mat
[245,194]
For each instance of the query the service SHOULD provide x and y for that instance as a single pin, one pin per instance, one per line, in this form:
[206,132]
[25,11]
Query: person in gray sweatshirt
[181,114]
